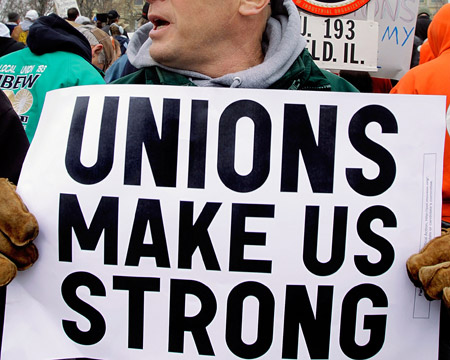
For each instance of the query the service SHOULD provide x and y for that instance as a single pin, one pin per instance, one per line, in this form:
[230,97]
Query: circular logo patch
[330,7]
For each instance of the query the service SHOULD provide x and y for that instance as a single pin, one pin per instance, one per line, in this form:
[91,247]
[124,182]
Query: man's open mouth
[158,23]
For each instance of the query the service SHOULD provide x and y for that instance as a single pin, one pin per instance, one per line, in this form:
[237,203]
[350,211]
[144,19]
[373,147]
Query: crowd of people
[247,44]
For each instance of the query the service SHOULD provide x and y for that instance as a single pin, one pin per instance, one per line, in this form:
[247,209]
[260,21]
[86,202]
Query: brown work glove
[430,268]
[18,228]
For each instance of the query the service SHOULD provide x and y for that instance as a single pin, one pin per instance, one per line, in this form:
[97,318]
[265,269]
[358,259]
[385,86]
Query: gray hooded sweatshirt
[282,44]
[26,24]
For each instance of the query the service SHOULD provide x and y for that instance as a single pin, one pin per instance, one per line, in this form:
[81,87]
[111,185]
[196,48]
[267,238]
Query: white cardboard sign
[182,222]
[341,44]
[397,24]
[62,6]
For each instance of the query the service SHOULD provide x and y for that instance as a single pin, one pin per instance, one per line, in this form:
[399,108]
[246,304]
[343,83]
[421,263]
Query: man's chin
[160,57]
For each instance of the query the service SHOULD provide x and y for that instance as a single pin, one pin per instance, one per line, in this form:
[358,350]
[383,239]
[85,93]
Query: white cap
[82,20]
[4,31]
[31,15]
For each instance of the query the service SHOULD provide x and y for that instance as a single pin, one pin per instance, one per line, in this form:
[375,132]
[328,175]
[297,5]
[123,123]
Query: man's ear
[253,7]
[96,49]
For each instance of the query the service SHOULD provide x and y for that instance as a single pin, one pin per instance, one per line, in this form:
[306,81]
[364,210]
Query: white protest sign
[341,44]
[397,23]
[181,222]
[61,6]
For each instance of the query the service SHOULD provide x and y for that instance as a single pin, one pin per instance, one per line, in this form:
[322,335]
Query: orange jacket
[433,78]
[425,53]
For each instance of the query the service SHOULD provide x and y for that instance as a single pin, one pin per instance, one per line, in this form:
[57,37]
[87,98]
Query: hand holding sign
[430,268]
[18,228]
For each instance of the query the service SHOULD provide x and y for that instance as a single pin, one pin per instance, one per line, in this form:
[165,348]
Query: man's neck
[238,59]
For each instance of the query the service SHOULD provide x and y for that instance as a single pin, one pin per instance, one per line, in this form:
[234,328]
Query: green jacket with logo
[26,77]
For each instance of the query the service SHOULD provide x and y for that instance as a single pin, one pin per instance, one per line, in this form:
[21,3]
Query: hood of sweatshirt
[52,33]
[26,24]
[282,44]
[439,31]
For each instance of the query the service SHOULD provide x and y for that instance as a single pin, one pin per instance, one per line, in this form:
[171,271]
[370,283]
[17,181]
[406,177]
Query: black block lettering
[235,309]
[316,328]
[105,221]
[227,146]
[179,323]
[105,154]
[376,241]
[372,150]
[148,211]
[137,286]
[193,236]
[197,144]
[69,293]
[162,152]
[375,323]
[311,241]
[318,157]
[240,238]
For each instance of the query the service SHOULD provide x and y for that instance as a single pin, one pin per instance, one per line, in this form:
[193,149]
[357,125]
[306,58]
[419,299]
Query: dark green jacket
[302,75]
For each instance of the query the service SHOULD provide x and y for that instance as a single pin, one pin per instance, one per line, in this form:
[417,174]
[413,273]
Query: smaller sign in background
[342,44]
[396,21]
[61,6]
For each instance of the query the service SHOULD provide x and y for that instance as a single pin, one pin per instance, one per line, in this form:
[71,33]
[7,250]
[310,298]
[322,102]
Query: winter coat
[433,78]
[425,53]
[13,141]
[20,32]
[57,56]
[8,45]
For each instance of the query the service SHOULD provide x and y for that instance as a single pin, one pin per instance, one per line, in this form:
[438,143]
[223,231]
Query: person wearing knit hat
[32,15]
[103,48]
[82,20]
[20,32]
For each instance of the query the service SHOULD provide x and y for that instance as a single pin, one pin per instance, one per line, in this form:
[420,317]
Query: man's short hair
[13,17]
[72,13]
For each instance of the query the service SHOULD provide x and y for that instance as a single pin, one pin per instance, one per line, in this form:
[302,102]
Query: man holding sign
[237,43]
[171,56]
[234,43]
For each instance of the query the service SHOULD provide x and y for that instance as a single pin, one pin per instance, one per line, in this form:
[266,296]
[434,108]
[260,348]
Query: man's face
[192,34]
